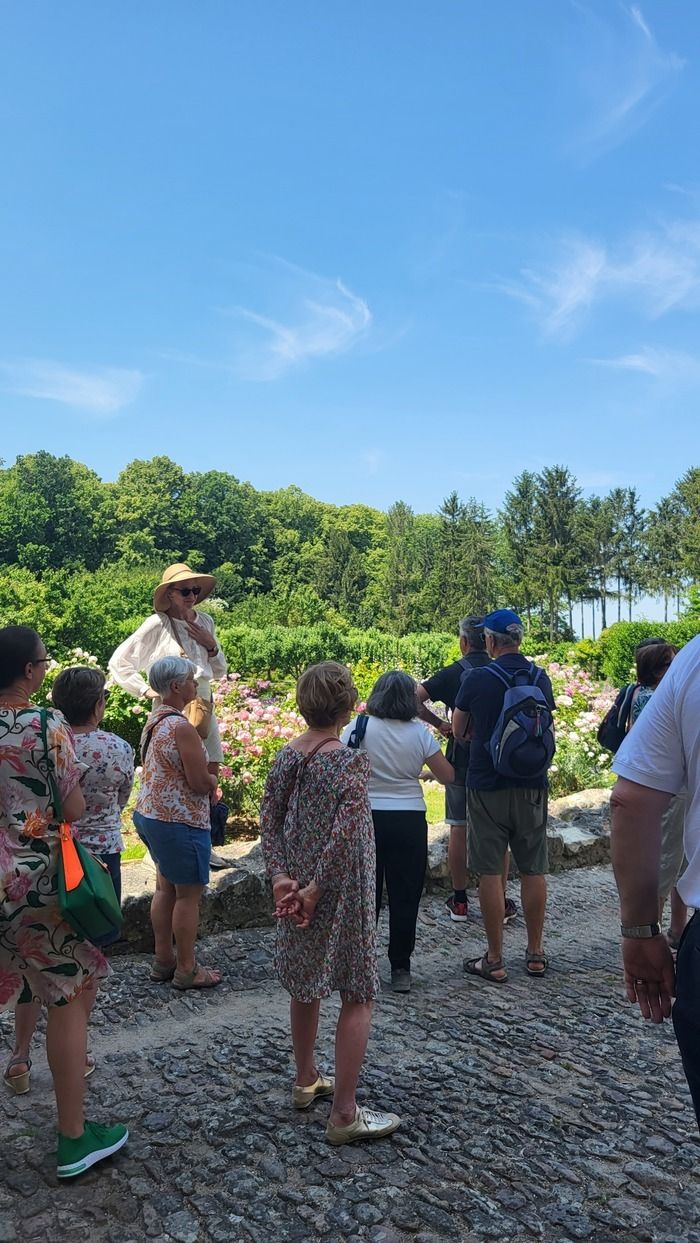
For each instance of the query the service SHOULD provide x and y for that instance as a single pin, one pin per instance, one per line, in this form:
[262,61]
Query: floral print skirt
[41,957]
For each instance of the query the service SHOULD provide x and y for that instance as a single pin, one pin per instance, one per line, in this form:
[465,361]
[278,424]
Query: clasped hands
[294,902]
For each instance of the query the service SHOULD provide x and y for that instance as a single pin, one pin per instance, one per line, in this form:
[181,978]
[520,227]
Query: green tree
[555,531]
[54,512]
[517,524]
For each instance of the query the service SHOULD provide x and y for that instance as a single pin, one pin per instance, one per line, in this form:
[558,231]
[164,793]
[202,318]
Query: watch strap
[640,932]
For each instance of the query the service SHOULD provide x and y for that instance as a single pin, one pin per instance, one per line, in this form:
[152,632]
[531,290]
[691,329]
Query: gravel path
[543,1109]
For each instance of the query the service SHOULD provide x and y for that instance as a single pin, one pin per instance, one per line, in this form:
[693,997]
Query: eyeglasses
[187,591]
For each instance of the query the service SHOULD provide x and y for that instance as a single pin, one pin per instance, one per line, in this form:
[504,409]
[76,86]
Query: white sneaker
[368,1124]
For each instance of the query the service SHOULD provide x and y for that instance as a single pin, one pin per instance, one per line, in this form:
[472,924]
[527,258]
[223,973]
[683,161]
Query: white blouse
[155,638]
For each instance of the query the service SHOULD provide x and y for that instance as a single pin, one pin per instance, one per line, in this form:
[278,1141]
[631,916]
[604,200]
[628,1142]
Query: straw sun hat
[180,574]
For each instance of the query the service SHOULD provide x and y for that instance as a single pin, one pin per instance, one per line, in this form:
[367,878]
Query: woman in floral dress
[41,957]
[318,843]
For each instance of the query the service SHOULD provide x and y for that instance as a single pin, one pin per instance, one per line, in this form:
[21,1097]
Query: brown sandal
[532,958]
[485,970]
[161,973]
[184,980]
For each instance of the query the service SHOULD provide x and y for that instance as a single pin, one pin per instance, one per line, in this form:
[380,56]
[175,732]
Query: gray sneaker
[400,980]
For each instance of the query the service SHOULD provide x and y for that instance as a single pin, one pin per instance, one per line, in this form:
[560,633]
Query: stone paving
[541,1109]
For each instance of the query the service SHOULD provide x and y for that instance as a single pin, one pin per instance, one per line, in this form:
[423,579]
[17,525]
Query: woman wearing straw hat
[176,629]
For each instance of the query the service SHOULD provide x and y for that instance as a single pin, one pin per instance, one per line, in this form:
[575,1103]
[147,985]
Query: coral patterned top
[164,793]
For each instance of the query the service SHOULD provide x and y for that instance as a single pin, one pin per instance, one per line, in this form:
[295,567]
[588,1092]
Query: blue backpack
[522,743]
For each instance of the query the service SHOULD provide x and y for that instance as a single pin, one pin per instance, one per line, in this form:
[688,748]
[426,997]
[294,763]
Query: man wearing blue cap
[505,709]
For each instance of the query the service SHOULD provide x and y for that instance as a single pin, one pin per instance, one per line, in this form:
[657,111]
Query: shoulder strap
[358,731]
[54,792]
[313,751]
[535,673]
[173,632]
[501,674]
[147,740]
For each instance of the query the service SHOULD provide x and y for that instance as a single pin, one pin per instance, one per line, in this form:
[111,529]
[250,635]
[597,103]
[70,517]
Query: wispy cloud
[626,75]
[101,391]
[659,271]
[670,366]
[320,318]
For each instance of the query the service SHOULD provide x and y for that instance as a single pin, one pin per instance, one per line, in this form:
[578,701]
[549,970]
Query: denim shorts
[180,853]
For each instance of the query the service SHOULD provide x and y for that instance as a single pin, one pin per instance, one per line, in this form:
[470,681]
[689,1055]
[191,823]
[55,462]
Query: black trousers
[402,856]
[686,1008]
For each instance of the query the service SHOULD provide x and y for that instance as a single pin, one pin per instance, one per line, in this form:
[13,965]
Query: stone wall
[578,830]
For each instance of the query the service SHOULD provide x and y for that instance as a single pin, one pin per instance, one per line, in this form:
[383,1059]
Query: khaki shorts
[503,818]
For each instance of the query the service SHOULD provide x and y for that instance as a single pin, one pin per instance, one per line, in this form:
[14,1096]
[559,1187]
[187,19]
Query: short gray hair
[167,670]
[513,639]
[472,629]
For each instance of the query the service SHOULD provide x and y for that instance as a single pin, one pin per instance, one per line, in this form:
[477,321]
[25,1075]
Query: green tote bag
[86,895]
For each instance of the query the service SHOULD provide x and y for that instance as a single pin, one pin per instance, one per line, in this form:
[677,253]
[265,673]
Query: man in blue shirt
[503,811]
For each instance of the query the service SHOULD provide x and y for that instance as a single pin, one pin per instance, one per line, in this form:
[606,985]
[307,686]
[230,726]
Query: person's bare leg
[162,907]
[303,1017]
[26,1019]
[185,924]
[506,870]
[492,903]
[66,1047]
[679,915]
[351,1036]
[534,895]
[457,856]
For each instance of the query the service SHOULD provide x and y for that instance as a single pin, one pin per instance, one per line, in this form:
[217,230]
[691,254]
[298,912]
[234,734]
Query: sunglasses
[187,591]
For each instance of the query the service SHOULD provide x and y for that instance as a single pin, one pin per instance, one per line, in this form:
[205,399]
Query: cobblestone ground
[542,1109]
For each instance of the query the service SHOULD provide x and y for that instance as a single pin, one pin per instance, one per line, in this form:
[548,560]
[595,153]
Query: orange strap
[72,867]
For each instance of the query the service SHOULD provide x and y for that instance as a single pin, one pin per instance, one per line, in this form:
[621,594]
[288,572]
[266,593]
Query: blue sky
[377,250]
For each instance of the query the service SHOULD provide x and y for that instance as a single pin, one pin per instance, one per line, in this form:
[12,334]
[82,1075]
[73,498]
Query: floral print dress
[40,955]
[316,824]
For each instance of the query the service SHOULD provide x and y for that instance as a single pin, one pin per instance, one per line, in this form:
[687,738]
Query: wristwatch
[640,932]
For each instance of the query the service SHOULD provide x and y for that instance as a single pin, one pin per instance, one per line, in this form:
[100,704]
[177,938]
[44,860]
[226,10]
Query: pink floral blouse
[106,787]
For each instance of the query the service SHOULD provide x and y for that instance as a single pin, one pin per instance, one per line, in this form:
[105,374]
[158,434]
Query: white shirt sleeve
[134,655]
[652,753]
[429,741]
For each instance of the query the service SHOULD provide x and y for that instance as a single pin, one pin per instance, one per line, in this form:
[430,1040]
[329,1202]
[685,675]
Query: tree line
[283,558]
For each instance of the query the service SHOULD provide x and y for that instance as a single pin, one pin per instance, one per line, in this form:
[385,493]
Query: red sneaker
[459,911]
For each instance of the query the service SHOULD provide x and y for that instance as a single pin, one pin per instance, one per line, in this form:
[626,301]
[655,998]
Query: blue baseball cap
[501,620]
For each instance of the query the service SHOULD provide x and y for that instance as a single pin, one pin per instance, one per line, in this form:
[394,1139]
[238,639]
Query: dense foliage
[79,557]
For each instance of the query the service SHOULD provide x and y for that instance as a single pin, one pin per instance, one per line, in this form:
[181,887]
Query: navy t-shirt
[442,688]
[481,694]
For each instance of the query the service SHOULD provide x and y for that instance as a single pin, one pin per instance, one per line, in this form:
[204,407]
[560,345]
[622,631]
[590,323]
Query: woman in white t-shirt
[398,746]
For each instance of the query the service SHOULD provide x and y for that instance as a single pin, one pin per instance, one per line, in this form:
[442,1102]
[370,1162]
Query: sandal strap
[17,1061]
[535,957]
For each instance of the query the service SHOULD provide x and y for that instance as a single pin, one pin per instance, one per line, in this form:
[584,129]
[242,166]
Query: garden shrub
[618,642]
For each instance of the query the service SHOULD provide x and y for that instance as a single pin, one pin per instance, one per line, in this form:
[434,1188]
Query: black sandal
[531,958]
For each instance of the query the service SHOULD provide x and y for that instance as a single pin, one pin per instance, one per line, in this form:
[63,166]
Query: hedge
[616,644]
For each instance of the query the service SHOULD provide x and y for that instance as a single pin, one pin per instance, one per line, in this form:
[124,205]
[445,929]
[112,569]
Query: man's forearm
[430,717]
[636,849]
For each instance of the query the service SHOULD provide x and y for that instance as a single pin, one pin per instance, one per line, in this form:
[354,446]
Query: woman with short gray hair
[398,745]
[172,819]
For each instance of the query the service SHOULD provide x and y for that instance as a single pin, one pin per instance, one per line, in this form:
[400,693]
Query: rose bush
[255,723]
[580,762]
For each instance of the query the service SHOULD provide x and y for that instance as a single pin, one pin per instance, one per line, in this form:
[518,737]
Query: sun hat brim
[176,576]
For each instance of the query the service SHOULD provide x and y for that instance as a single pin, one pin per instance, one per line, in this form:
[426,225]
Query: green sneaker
[96,1142]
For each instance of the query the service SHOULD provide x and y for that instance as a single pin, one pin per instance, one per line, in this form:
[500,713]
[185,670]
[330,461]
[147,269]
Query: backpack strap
[535,673]
[358,731]
[501,674]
